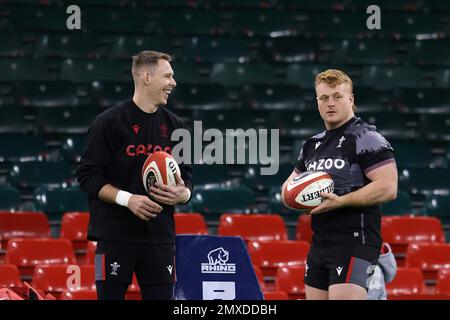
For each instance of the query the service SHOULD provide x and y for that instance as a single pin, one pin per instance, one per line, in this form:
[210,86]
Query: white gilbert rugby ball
[159,167]
[303,190]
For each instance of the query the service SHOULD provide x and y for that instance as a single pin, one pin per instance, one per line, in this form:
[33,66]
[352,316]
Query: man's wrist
[347,200]
[188,191]
[122,198]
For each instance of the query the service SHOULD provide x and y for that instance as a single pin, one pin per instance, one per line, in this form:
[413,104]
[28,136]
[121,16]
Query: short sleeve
[373,151]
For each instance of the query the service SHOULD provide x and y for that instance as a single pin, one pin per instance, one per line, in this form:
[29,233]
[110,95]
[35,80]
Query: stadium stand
[74,227]
[9,198]
[22,225]
[89,258]
[406,281]
[443,282]
[255,227]
[402,205]
[400,231]
[438,206]
[54,279]
[82,294]
[9,276]
[133,292]
[260,277]
[290,280]
[26,254]
[303,229]
[429,258]
[271,254]
[275,295]
[56,201]
[190,223]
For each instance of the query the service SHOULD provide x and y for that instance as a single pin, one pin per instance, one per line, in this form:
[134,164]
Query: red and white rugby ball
[303,190]
[159,167]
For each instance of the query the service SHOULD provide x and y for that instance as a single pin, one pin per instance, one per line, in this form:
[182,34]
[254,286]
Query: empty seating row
[70,148]
[319,5]
[74,227]
[54,201]
[407,284]
[418,238]
[228,74]
[65,122]
[55,279]
[207,96]
[63,281]
[207,48]
[259,22]
[208,195]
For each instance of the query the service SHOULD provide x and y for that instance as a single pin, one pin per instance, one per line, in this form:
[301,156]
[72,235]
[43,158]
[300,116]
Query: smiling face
[153,79]
[334,98]
[160,82]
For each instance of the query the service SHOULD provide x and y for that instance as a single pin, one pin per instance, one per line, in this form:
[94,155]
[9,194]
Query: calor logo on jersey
[134,150]
[218,262]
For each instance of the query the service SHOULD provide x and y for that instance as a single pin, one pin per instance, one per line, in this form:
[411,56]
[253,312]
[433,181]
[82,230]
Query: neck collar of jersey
[142,111]
[345,125]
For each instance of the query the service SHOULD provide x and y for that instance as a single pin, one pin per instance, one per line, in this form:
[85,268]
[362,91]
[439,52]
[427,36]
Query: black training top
[118,142]
[347,153]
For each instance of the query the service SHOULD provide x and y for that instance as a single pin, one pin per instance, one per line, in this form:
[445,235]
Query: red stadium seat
[275,295]
[54,278]
[133,292]
[291,281]
[406,281]
[253,227]
[190,223]
[260,277]
[82,294]
[420,296]
[304,231]
[90,252]
[443,282]
[74,226]
[269,255]
[400,231]
[9,276]
[22,225]
[26,254]
[430,258]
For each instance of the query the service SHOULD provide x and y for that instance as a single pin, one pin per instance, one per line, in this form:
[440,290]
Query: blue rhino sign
[214,268]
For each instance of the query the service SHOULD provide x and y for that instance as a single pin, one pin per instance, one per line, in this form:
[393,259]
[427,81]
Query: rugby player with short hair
[347,224]
[133,232]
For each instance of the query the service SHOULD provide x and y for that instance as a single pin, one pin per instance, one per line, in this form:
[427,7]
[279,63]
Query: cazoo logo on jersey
[322,164]
[217,262]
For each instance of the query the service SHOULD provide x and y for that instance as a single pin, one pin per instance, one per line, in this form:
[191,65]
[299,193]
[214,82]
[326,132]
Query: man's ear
[147,77]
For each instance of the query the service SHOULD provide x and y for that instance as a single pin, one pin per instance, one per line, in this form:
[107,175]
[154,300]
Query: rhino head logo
[218,256]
